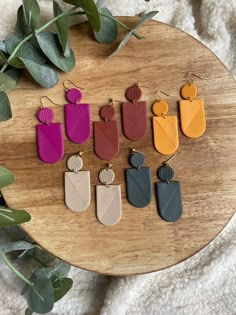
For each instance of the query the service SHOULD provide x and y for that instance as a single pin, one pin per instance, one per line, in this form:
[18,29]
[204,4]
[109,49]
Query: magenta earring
[49,135]
[77,116]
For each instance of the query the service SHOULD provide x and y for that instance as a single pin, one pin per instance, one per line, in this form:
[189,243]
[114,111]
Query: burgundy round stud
[73,96]
[107,112]
[45,115]
[133,93]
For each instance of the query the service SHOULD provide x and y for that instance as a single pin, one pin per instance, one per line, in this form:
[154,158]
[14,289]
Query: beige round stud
[106,176]
[75,163]
[189,91]
[160,108]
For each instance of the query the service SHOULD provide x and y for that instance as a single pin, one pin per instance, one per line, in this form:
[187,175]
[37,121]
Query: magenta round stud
[107,112]
[73,96]
[45,115]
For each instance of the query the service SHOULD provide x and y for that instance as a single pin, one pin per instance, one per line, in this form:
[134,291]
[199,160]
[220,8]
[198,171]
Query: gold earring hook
[166,162]
[69,81]
[41,101]
[158,96]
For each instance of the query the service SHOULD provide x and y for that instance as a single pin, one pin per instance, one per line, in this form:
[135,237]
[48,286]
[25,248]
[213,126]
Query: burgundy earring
[106,134]
[49,136]
[77,116]
[134,114]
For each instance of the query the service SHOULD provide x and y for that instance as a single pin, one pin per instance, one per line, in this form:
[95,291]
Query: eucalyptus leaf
[27,50]
[91,11]
[6,177]
[108,31]
[6,83]
[50,45]
[28,311]
[12,246]
[40,297]
[45,75]
[61,287]
[3,46]
[22,28]
[15,74]
[145,18]
[63,25]
[12,217]
[31,12]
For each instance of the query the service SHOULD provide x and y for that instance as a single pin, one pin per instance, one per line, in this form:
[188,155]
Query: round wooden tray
[206,167]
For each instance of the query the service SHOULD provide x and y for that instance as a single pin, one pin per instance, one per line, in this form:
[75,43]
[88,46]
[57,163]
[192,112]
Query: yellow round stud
[189,91]
[160,108]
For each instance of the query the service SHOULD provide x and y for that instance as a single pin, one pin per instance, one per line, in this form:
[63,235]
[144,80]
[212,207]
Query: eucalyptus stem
[39,30]
[121,24]
[18,273]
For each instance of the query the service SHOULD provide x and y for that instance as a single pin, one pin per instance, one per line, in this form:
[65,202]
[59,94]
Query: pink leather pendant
[106,134]
[49,137]
[134,115]
[77,117]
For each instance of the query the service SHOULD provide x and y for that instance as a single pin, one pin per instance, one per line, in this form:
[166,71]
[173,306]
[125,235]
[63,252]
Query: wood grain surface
[206,167]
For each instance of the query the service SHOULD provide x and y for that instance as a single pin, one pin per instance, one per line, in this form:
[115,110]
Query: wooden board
[141,242]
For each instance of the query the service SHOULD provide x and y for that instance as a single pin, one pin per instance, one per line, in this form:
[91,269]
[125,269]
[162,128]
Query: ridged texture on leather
[169,201]
[77,122]
[109,205]
[165,134]
[77,190]
[192,117]
[134,117]
[106,139]
[50,142]
[139,186]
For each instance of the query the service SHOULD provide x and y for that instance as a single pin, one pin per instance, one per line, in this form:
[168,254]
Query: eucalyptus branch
[121,24]
[38,31]
[18,273]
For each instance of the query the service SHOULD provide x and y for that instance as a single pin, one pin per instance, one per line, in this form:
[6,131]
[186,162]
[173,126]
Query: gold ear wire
[41,101]
[69,81]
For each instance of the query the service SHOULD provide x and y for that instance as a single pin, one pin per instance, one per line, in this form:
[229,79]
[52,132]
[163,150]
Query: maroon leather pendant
[106,134]
[134,115]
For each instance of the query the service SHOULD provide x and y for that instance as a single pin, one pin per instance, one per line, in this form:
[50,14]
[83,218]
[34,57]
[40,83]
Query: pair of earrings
[78,193]
[49,135]
[139,187]
[192,119]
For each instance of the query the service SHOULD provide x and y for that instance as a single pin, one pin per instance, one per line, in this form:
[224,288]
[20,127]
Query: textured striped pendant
[77,185]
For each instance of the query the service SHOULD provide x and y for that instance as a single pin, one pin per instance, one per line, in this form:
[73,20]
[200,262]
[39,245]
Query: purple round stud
[73,96]
[45,115]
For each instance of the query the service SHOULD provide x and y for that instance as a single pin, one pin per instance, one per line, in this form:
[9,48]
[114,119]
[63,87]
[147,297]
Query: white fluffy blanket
[204,284]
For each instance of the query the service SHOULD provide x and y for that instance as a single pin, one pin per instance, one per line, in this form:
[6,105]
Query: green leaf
[6,83]
[50,45]
[22,28]
[61,287]
[91,11]
[63,25]
[15,74]
[12,246]
[27,50]
[40,297]
[28,311]
[5,108]
[108,31]
[6,177]
[13,217]
[45,75]
[31,12]
[144,19]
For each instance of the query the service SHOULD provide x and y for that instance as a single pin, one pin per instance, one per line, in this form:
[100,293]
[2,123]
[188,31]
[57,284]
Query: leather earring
[134,114]
[168,193]
[108,198]
[106,134]
[165,128]
[77,184]
[138,181]
[77,115]
[192,113]
[49,136]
